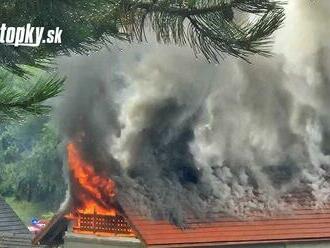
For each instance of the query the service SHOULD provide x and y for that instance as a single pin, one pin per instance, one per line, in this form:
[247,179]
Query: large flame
[96,191]
[93,199]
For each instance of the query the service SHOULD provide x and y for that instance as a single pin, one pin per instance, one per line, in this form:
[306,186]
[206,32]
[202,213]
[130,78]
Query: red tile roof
[300,225]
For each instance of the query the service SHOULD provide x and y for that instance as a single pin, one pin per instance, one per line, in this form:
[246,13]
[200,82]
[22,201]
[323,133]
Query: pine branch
[88,25]
[17,104]
[209,27]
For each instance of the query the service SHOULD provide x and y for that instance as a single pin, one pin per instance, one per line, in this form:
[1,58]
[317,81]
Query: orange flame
[93,198]
[96,190]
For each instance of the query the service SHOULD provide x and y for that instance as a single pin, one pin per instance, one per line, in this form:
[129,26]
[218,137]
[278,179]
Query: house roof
[9,221]
[301,221]
[300,224]
[297,226]
[12,240]
[13,232]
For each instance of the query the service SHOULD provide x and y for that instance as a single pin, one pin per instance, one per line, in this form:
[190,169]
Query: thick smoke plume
[181,136]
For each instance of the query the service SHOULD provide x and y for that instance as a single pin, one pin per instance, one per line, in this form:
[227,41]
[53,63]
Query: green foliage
[31,168]
[86,25]
[22,97]
[210,27]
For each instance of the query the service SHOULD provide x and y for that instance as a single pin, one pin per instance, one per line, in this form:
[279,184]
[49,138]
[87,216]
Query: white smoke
[304,43]
[230,137]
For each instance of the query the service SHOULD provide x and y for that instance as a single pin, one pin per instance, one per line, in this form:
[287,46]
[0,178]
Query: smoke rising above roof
[180,136]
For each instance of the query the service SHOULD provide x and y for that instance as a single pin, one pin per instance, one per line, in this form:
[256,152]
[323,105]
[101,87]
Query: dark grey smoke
[87,113]
[183,137]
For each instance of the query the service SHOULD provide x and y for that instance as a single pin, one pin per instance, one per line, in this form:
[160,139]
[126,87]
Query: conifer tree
[212,28]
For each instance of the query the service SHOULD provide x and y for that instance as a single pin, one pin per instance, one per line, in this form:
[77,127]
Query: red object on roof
[298,226]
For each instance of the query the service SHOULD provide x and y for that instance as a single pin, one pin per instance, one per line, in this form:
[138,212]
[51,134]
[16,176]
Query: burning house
[96,218]
[93,214]
[305,227]
[165,150]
